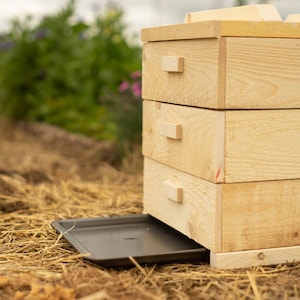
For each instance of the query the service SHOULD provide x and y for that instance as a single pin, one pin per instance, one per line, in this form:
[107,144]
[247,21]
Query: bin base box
[234,220]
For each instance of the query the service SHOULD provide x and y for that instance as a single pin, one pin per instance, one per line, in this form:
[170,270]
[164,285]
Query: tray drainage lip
[109,241]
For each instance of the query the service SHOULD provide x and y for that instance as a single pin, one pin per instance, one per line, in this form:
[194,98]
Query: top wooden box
[223,64]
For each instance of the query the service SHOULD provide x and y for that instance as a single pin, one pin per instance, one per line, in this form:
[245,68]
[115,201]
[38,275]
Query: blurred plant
[126,113]
[56,71]
[245,2]
[241,2]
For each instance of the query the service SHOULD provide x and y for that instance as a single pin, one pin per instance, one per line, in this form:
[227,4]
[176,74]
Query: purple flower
[40,34]
[136,75]
[5,46]
[124,86]
[136,89]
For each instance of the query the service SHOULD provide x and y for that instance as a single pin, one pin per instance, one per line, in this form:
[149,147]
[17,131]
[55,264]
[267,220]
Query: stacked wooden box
[221,136]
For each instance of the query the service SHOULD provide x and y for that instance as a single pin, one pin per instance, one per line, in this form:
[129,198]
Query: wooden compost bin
[221,136]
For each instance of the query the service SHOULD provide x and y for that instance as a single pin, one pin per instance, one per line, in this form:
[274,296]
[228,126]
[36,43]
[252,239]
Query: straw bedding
[47,174]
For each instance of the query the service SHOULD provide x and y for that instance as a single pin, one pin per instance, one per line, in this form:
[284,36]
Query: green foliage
[246,2]
[67,73]
[125,112]
[241,2]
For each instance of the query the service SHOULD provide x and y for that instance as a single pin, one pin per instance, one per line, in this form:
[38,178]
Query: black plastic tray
[109,241]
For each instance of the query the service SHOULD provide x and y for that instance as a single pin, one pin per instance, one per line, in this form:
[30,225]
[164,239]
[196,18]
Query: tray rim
[201,254]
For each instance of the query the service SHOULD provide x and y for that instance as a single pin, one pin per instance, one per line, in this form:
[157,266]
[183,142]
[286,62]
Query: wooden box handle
[171,130]
[254,12]
[172,64]
[173,191]
[293,18]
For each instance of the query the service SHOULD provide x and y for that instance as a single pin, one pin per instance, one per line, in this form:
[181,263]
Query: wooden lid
[243,21]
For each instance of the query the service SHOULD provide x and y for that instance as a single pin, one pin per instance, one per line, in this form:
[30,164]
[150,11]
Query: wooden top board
[221,28]
[256,12]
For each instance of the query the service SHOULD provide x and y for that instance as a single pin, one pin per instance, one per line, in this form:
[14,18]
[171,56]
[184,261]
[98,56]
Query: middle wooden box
[223,146]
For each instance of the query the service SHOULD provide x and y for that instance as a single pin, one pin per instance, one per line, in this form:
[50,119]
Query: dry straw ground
[45,175]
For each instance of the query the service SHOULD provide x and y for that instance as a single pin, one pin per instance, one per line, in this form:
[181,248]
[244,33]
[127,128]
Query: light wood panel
[197,215]
[200,149]
[262,145]
[262,73]
[196,84]
[251,258]
[260,215]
